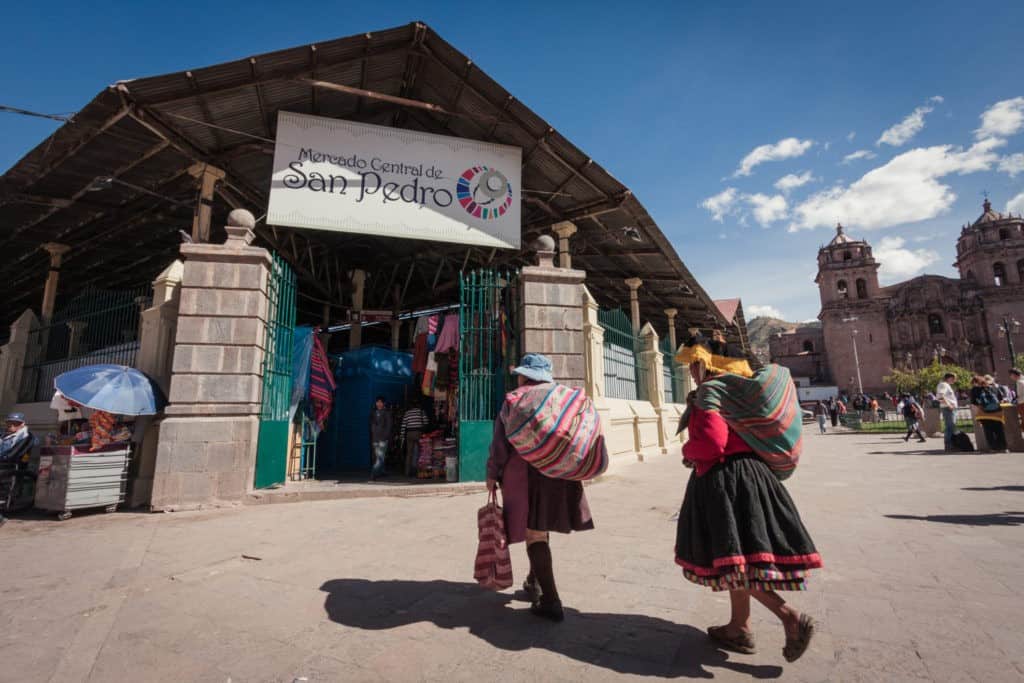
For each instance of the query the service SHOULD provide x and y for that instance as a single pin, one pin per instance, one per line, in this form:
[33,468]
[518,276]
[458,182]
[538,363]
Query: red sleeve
[708,435]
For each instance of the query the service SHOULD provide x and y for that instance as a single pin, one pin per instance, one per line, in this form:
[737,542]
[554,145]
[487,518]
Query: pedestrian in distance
[738,528]
[414,423]
[945,394]
[381,428]
[534,505]
[821,412]
[912,415]
[834,408]
[988,411]
[1017,381]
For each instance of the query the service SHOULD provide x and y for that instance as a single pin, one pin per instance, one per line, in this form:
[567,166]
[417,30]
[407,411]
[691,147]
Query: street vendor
[16,439]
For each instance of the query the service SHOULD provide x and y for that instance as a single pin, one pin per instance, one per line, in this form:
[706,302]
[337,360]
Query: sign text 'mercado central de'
[354,177]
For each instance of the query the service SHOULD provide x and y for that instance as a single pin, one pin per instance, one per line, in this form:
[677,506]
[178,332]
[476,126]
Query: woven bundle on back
[556,429]
[764,410]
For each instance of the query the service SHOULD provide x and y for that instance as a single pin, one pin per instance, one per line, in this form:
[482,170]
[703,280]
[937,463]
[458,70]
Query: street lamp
[1008,327]
[856,358]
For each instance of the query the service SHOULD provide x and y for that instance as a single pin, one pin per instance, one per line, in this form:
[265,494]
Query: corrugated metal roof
[190,111]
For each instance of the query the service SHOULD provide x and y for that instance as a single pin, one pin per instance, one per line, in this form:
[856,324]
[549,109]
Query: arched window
[935,324]
[841,287]
[1004,234]
[808,346]
[847,256]
[999,274]
[862,289]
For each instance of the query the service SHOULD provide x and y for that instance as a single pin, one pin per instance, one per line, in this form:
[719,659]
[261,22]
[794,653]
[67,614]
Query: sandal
[796,647]
[743,643]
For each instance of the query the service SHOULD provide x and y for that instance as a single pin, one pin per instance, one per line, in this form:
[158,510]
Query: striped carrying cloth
[493,568]
[763,410]
[556,429]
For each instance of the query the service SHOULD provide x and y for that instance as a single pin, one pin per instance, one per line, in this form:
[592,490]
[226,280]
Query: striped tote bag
[493,569]
[556,429]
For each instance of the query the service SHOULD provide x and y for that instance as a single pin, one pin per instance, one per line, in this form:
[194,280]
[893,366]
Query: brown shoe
[743,643]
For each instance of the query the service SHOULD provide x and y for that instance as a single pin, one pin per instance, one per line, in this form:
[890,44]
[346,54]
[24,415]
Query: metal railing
[624,372]
[96,326]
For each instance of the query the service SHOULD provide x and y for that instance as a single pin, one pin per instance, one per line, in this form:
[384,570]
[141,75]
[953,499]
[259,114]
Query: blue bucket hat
[536,367]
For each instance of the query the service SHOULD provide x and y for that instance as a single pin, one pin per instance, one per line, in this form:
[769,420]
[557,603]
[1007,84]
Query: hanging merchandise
[449,338]
[321,383]
[428,376]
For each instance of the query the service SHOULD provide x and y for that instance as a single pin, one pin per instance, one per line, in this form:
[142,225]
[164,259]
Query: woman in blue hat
[535,505]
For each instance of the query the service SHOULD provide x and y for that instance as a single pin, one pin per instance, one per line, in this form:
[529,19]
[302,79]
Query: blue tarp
[302,353]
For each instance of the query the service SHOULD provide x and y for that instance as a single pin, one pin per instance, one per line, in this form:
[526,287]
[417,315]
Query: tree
[923,380]
[1018,361]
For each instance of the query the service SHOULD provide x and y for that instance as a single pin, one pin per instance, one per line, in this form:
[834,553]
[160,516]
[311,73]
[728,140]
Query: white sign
[354,177]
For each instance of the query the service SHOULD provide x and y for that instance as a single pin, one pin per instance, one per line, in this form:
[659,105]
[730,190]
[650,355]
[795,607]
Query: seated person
[17,439]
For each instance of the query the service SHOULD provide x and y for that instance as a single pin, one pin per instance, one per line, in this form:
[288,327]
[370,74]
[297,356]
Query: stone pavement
[923,557]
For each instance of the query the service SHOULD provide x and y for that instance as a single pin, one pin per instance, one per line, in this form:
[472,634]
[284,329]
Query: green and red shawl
[763,410]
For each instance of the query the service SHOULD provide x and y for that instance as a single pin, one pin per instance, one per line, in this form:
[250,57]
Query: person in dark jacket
[983,394]
[912,415]
[534,504]
[381,427]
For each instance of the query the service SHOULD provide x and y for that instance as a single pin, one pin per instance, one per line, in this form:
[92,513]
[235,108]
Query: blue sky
[671,99]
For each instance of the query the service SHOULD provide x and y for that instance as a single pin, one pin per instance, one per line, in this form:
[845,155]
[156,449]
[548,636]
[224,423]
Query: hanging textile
[321,384]
[449,337]
[419,354]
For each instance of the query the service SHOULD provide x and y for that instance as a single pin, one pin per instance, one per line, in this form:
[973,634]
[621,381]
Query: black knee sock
[540,566]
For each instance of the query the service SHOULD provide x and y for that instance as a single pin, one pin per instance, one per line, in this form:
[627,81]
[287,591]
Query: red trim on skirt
[812,561]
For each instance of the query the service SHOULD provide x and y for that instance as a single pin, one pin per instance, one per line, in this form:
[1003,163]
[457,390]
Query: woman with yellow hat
[738,528]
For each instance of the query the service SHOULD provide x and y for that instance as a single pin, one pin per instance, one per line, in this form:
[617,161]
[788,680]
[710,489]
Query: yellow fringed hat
[713,354]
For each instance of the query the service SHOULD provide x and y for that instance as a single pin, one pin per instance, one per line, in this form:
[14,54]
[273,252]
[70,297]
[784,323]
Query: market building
[378,192]
[867,329]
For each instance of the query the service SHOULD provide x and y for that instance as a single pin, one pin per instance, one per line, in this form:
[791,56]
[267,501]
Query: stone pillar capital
[564,230]
[671,313]
[634,284]
[56,251]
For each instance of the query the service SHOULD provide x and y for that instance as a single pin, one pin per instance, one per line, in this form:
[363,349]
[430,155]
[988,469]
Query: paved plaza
[923,556]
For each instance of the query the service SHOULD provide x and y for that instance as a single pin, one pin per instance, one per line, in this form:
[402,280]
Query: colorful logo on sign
[484,192]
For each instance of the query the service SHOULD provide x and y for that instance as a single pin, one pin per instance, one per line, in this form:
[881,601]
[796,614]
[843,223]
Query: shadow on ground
[1012,487]
[623,643]
[1009,518]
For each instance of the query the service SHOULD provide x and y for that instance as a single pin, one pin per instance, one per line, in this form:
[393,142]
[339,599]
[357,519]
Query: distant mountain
[761,329]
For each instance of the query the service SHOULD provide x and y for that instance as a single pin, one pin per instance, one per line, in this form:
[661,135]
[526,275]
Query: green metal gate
[272,451]
[624,372]
[487,349]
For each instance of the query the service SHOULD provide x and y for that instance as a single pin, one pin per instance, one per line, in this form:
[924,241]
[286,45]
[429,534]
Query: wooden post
[56,252]
[564,230]
[355,337]
[208,177]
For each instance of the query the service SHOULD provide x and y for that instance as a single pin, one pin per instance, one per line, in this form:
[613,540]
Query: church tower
[853,314]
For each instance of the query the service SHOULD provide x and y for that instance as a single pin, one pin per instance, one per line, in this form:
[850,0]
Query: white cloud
[757,311]
[904,190]
[1016,205]
[1002,119]
[767,209]
[722,236]
[902,132]
[859,154]
[938,99]
[828,144]
[851,135]
[1012,164]
[793,181]
[721,204]
[899,263]
[787,148]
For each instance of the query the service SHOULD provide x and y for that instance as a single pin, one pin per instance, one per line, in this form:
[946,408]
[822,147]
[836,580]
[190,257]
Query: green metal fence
[676,376]
[487,349]
[624,373]
[272,451]
[95,326]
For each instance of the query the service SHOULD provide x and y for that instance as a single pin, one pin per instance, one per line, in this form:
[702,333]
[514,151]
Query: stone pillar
[75,330]
[671,313]
[207,445]
[551,314]
[355,335]
[654,379]
[564,230]
[12,358]
[634,302]
[56,252]
[158,329]
[593,349]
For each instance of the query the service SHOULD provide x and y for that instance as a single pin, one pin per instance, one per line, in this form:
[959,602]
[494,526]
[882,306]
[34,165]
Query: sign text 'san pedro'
[354,177]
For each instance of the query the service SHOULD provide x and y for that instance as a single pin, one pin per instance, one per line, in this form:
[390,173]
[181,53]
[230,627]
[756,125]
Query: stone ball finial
[241,218]
[544,243]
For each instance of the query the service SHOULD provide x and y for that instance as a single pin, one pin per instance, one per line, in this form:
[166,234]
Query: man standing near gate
[946,397]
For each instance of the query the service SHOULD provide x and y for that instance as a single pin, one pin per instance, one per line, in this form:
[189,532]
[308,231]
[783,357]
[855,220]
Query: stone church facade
[908,324]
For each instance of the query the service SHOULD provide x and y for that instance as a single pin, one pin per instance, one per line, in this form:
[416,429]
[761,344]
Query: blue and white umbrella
[116,389]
